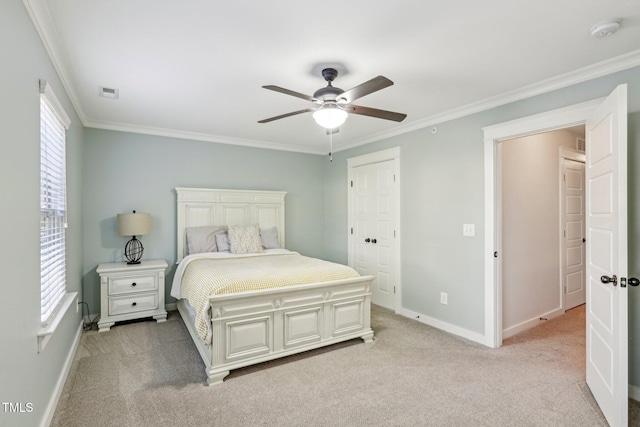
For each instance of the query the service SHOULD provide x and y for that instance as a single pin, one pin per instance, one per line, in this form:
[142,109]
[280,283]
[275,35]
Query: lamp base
[133,251]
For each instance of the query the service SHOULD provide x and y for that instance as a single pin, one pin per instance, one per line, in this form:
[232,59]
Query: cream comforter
[197,278]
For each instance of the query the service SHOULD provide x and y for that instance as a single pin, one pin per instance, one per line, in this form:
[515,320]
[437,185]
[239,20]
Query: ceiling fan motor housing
[333,101]
[328,93]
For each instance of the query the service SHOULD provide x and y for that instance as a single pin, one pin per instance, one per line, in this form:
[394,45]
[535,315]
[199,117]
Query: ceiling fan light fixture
[329,116]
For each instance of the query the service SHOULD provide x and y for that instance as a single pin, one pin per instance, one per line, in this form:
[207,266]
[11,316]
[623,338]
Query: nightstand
[131,291]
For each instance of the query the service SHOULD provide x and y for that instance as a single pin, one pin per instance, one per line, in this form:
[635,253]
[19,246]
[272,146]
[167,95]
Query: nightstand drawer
[133,303]
[129,284]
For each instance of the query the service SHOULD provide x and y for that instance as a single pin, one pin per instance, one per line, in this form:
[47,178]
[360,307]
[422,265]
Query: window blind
[53,210]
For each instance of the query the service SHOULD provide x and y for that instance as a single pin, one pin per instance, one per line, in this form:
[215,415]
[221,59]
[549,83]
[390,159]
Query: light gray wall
[127,171]
[531,226]
[27,376]
[442,188]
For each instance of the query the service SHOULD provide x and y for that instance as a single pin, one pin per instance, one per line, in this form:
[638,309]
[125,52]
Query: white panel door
[573,248]
[374,233]
[606,201]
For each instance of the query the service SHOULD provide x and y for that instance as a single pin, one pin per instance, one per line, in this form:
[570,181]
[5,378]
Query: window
[53,203]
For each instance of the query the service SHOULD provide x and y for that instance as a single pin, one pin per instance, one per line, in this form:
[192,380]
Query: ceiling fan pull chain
[331,147]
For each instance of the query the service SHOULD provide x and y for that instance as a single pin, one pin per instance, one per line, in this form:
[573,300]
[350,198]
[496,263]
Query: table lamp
[134,224]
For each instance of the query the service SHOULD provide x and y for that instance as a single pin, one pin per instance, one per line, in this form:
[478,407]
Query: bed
[259,323]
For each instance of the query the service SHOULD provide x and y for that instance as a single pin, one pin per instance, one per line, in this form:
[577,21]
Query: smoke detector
[605,29]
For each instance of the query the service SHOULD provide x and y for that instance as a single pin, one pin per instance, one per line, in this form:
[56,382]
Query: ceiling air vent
[107,92]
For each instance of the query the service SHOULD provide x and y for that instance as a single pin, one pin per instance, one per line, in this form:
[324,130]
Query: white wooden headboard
[204,206]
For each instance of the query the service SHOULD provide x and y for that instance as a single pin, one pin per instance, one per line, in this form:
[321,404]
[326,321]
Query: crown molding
[610,66]
[39,13]
[196,136]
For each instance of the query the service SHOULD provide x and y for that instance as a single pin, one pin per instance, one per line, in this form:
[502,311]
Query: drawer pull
[134,284]
[134,304]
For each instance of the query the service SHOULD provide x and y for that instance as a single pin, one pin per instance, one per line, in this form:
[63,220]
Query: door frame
[367,159]
[566,153]
[544,122]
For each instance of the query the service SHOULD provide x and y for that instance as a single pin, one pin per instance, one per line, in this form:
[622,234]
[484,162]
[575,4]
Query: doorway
[541,193]
[606,241]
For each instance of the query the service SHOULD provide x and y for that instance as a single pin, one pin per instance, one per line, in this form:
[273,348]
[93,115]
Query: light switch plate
[468,230]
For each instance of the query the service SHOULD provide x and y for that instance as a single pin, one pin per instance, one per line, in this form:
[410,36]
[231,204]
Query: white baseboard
[447,327]
[171,306]
[528,324]
[634,392]
[57,391]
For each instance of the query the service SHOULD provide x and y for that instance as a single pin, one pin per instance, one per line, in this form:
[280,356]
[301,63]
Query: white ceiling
[195,68]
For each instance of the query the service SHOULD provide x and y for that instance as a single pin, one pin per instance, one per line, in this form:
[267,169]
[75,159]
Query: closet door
[373,208]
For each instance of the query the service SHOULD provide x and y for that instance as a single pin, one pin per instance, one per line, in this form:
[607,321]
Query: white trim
[195,136]
[572,154]
[50,97]
[43,23]
[64,373]
[634,392]
[172,306]
[47,329]
[445,326]
[376,157]
[528,324]
[551,120]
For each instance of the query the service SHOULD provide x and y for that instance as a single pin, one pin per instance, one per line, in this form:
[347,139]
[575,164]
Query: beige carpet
[150,374]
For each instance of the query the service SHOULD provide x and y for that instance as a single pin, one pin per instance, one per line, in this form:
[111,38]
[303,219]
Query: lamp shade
[134,224]
[330,116]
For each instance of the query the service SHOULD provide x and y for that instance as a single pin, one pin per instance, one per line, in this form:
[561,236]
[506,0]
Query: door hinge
[351,230]
[351,183]
[394,289]
[495,254]
[394,233]
[394,177]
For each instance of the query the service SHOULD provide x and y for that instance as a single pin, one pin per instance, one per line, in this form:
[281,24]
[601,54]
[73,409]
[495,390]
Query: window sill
[46,331]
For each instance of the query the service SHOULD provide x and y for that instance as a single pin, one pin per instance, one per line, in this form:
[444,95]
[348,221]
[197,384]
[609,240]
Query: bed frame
[257,326]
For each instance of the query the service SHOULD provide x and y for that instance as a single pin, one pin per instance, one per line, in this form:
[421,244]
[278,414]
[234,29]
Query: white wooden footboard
[254,327]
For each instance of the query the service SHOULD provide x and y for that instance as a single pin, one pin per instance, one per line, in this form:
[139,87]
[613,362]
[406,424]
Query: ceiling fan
[334,104]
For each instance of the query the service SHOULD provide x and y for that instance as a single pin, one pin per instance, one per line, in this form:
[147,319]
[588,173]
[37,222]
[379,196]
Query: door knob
[367,240]
[374,241]
[606,279]
[633,281]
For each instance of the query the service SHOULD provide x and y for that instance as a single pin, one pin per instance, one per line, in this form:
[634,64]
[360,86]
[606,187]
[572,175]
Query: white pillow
[202,239]
[269,237]
[245,239]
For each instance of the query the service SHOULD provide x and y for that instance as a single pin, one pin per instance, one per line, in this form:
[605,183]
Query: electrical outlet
[443,298]
[468,230]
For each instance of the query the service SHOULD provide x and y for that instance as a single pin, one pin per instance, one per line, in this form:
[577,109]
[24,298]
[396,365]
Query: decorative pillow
[269,237]
[245,239]
[222,240]
[202,239]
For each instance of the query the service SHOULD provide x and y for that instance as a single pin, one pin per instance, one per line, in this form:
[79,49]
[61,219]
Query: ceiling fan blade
[290,92]
[365,88]
[373,112]
[282,116]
